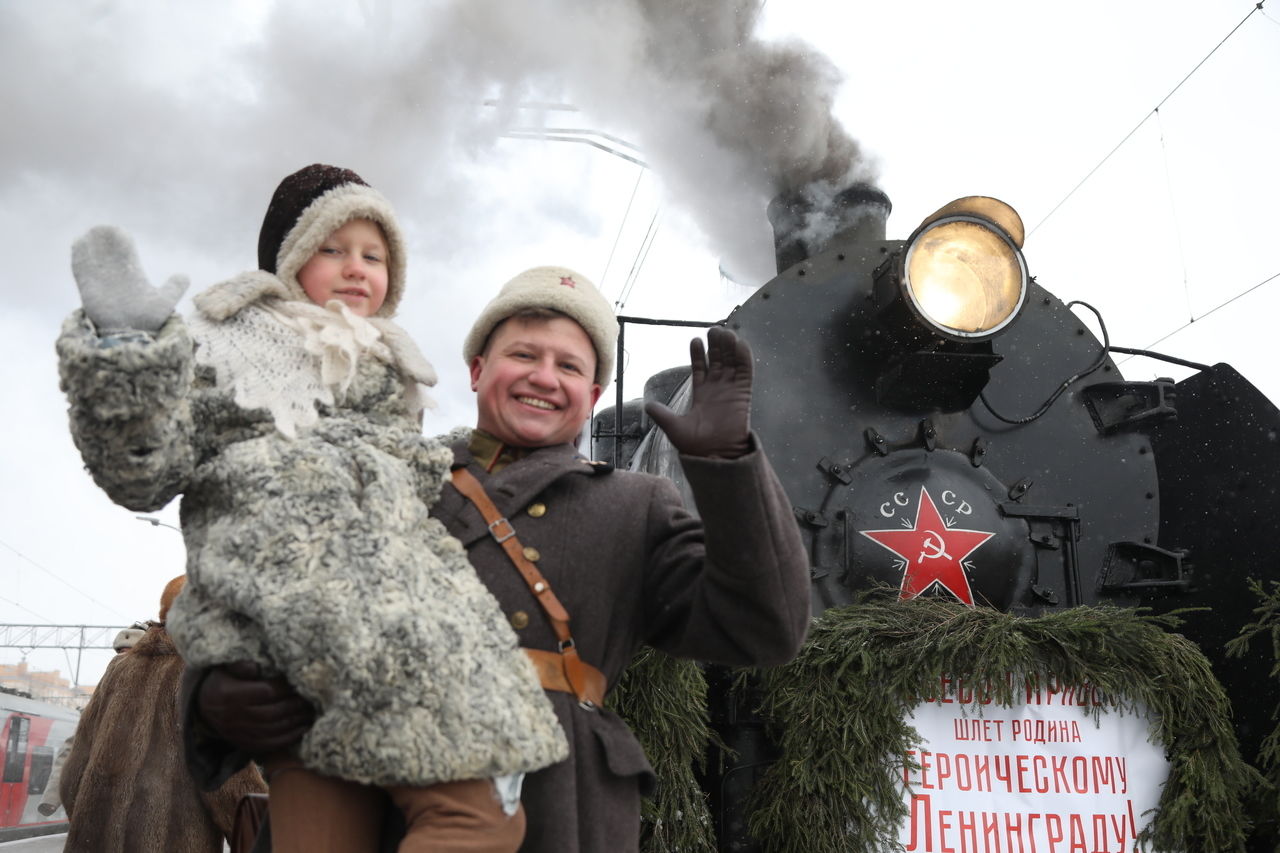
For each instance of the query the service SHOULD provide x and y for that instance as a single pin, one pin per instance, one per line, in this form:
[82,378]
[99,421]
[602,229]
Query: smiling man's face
[534,382]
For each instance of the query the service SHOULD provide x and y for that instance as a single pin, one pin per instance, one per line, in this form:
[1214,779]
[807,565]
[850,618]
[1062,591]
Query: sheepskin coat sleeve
[130,410]
[633,566]
[124,784]
[313,555]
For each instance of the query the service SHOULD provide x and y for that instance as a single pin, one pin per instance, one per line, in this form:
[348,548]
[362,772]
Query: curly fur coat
[125,784]
[314,555]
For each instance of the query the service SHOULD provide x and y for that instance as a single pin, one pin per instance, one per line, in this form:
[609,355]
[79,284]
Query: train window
[41,769]
[15,756]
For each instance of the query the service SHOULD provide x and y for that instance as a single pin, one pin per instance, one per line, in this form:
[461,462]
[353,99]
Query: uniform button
[519,619]
[531,554]
[537,510]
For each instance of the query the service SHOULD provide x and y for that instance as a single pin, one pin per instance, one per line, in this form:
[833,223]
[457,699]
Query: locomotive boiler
[945,426]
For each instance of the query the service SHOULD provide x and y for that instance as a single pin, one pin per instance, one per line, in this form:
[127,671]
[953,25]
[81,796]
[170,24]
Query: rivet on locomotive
[946,426]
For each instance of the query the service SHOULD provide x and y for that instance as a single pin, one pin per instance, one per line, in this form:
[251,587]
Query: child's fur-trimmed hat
[558,289]
[311,204]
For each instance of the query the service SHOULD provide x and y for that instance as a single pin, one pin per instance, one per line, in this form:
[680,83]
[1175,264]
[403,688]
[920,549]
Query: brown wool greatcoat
[125,784]
[632,567]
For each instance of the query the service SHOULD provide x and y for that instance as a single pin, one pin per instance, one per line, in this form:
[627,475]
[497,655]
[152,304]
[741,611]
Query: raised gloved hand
[718,422]
[114,291]
[256,715]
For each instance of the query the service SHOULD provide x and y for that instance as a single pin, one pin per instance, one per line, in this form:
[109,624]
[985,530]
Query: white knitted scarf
[291,356]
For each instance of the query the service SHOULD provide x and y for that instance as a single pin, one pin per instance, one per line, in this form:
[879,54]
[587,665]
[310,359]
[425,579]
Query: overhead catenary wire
[61,580]
[642,255]
[618,237]
[1145,119]
[1155,111]
[614,146]
[1220,305]
[24,607]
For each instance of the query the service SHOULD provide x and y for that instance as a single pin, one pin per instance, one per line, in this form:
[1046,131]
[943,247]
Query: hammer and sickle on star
[934,547]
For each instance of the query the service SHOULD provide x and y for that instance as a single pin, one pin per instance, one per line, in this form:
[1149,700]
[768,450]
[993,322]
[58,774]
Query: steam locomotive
[944,425]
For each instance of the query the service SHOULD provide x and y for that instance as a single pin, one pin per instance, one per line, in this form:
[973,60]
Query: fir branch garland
[838,711]
[1267,621]
[664,701]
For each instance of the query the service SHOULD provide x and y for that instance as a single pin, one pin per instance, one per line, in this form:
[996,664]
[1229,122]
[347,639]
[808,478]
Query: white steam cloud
[194,123]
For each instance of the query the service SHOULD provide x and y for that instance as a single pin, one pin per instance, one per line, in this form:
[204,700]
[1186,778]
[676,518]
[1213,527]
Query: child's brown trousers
[311,813]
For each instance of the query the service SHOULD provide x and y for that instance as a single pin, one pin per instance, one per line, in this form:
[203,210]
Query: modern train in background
[944,425]
[32,734]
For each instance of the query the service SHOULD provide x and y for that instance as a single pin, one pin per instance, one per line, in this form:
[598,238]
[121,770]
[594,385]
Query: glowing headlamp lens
[964,277]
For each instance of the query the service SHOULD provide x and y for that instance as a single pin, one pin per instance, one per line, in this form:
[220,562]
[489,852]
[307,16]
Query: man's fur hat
[558,289]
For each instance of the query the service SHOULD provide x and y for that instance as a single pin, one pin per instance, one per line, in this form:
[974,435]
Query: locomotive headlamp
[957,282]
[962,273]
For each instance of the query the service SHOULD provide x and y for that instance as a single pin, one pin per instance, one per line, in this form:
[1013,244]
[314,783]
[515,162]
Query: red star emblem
[933,552]
[568,281]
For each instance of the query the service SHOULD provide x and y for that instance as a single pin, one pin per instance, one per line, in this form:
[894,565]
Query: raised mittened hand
[718,423]
[114,291]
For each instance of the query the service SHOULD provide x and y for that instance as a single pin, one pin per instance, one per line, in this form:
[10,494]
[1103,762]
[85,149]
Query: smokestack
[807,221]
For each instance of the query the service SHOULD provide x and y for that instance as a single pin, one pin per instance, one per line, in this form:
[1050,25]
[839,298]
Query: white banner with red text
[1058,771]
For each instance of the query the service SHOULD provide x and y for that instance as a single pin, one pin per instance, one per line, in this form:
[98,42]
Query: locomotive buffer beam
[1116,406]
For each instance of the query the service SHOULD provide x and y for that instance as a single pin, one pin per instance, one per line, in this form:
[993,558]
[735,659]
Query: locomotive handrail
[622,331]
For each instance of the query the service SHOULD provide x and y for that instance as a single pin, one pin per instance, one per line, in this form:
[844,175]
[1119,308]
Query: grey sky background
[177,121]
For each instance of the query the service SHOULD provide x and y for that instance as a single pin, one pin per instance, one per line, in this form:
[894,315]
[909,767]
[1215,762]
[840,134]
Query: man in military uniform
[606,560]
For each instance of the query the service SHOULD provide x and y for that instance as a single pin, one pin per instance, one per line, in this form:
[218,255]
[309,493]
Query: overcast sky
[175,121]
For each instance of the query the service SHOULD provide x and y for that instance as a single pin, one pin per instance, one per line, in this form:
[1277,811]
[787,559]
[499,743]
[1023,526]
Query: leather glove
[256,715]
[114,291]
[718,423]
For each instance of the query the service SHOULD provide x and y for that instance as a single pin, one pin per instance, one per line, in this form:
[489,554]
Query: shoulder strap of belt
[585,680]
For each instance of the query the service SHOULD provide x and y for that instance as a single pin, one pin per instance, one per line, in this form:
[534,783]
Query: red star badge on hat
[934,553]
[568,281]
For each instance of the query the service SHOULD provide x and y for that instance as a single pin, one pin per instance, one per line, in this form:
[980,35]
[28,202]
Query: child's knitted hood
[311,204]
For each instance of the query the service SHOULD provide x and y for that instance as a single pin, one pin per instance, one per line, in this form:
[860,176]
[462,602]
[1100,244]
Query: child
[286,412]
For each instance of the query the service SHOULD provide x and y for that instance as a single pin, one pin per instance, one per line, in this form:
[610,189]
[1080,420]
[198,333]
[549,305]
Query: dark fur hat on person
[311,204]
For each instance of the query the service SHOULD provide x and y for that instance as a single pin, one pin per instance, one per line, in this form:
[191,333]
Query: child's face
[350,266]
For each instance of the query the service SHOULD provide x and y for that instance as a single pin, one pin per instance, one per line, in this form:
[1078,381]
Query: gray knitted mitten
[114,291]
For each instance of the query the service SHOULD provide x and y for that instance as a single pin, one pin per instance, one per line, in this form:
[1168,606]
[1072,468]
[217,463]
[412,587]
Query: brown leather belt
[550,667]
[570,672]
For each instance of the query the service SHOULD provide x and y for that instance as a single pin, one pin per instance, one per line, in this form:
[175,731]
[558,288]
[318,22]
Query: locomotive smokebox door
[931,524]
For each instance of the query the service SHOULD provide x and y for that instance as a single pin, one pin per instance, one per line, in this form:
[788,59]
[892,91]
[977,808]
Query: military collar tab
[597,466]
[492,454]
